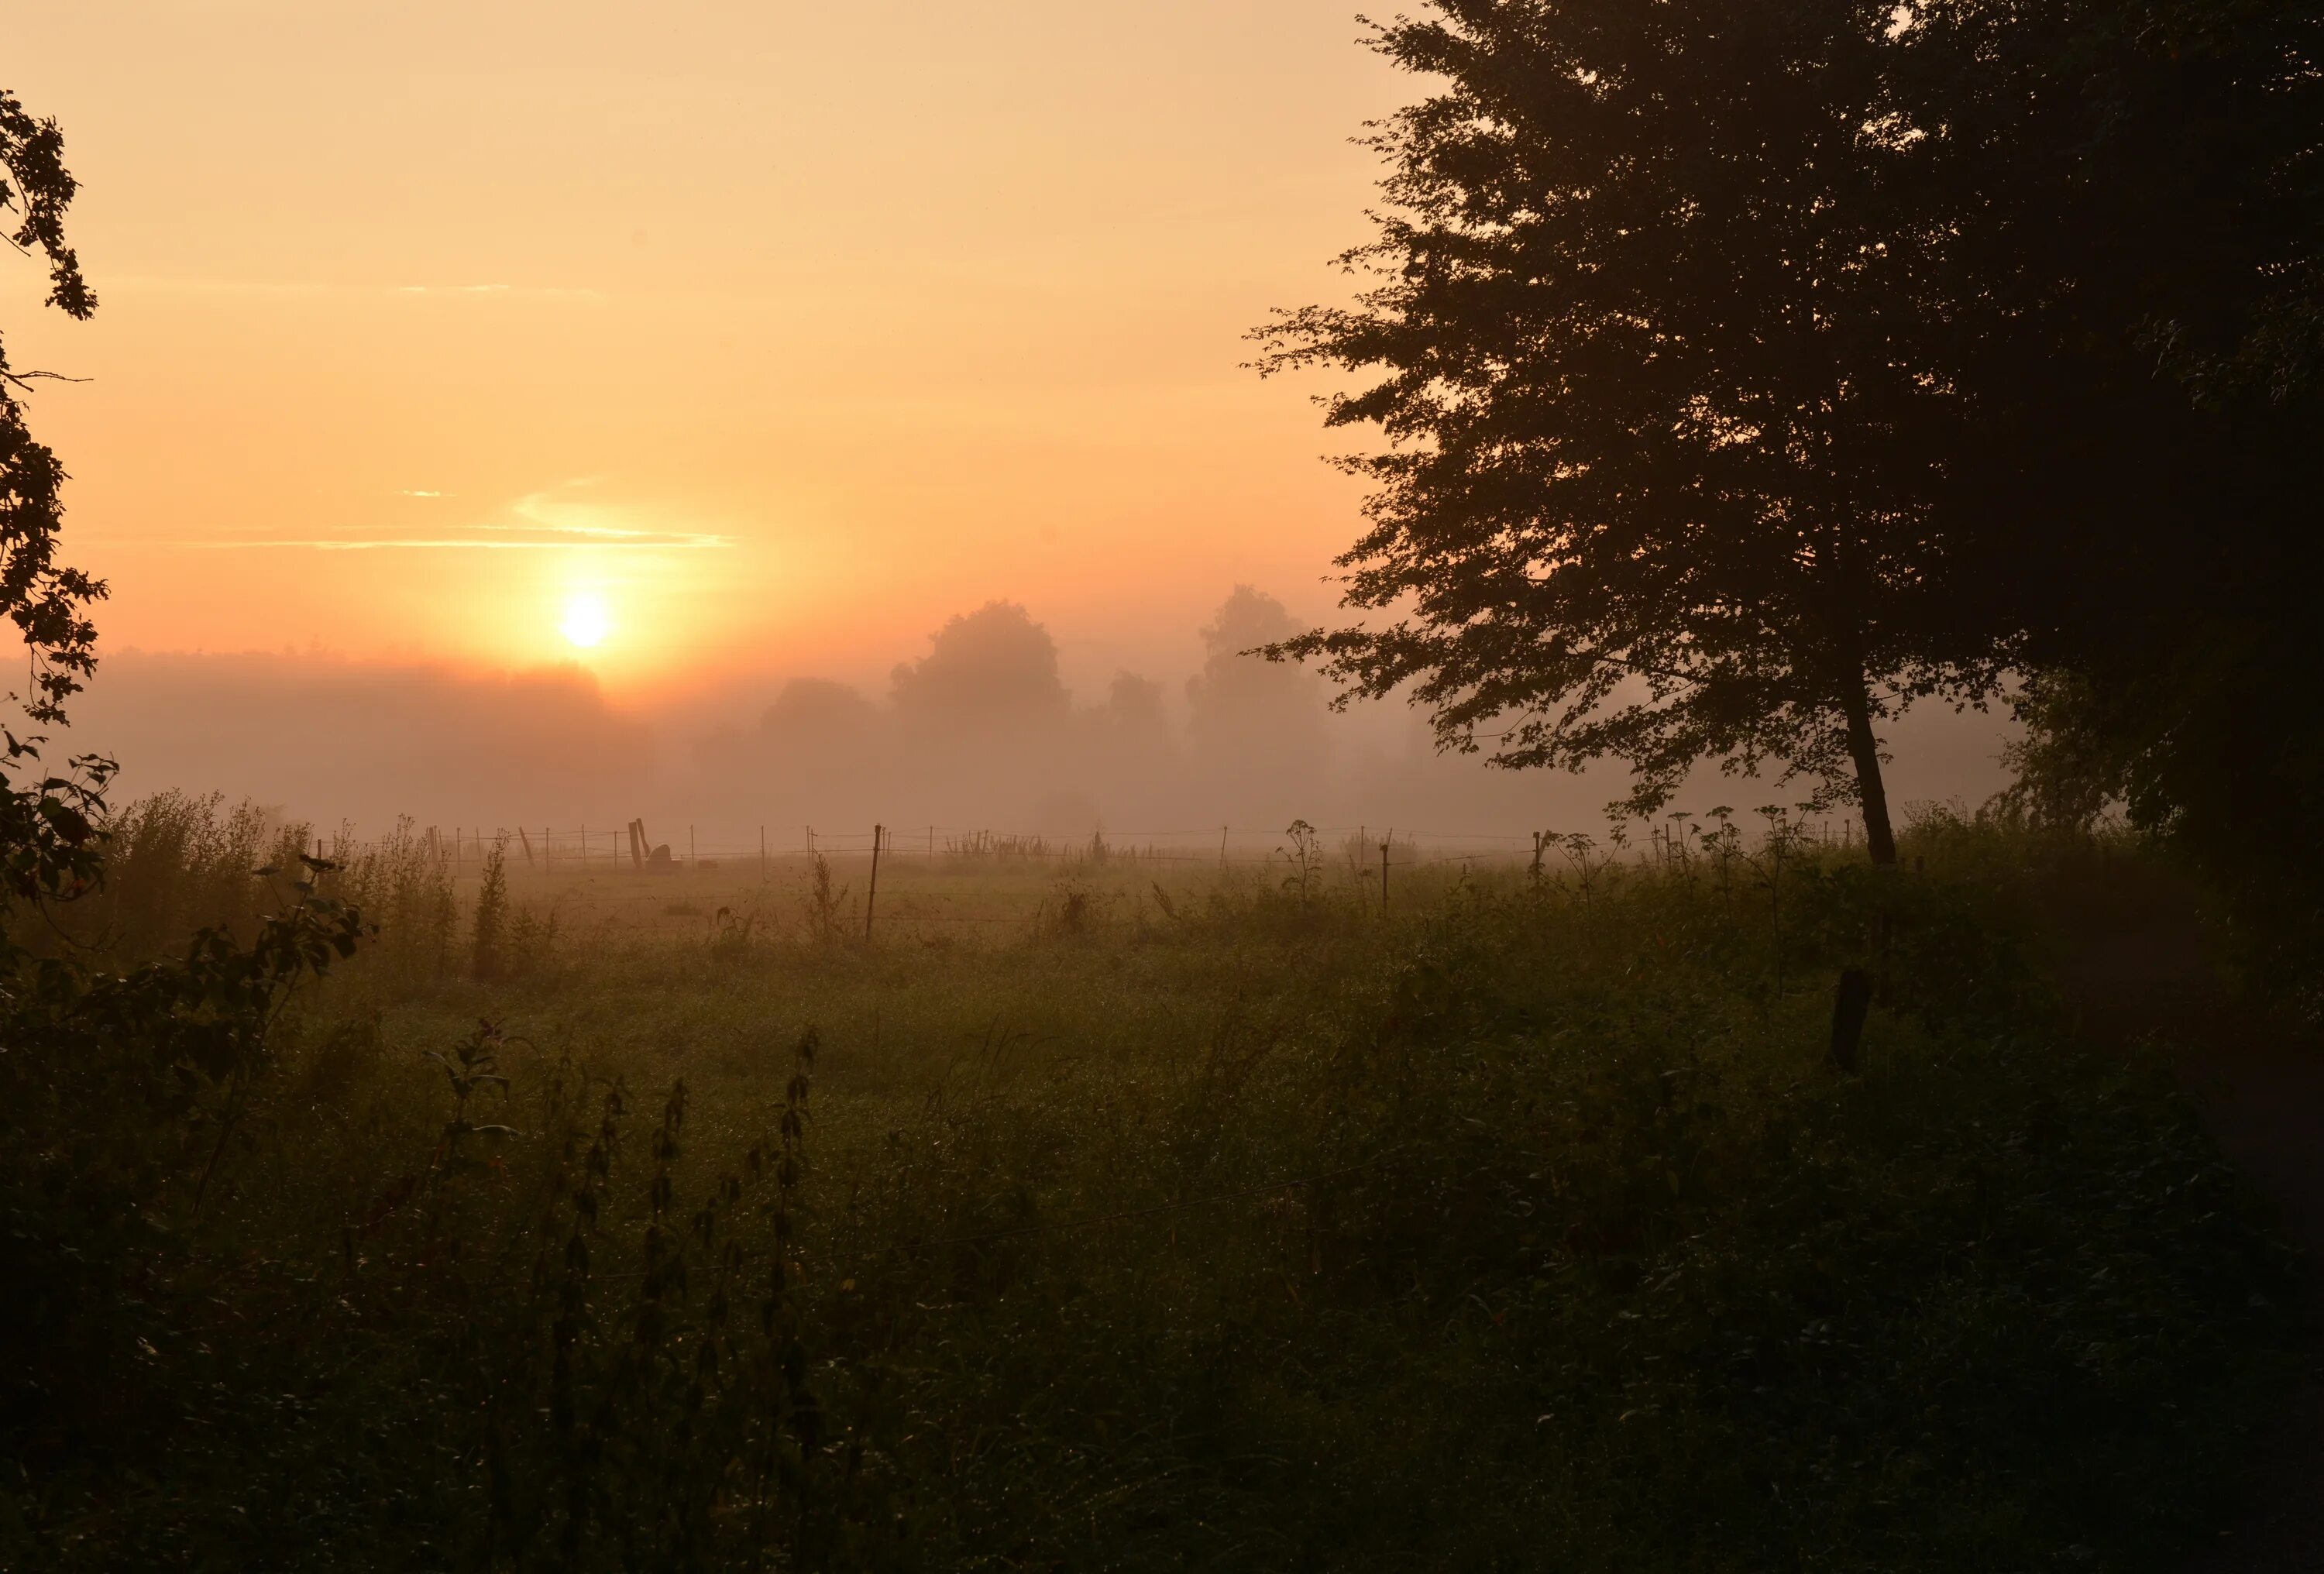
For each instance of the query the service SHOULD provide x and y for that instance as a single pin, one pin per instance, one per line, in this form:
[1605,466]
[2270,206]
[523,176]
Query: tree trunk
[1864,748]
[1851,1004]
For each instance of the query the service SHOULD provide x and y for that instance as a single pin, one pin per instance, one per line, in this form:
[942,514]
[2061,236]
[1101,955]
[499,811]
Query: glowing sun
[587,621]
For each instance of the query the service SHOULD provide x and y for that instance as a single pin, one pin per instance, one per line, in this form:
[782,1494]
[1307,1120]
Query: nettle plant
[646,1387]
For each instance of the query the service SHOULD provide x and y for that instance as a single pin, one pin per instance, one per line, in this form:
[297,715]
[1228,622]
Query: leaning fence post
[871,894]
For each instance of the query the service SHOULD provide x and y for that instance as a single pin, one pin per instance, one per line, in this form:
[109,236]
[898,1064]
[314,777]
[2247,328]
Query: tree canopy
[44,598]
[2149,256]
[992,665]
[1664,432]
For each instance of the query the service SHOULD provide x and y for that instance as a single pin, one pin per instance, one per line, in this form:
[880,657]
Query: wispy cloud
[513,291]
[172,284]
[551,519]
[484,538]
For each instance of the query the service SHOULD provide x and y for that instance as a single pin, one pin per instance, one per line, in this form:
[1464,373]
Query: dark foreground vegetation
[1230,1227]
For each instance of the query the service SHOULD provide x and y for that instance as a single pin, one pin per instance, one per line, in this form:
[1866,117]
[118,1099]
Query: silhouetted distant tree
[1239,706]
[819,710]
[1134,703]
[994,666]
[1665,428]
[1135,722]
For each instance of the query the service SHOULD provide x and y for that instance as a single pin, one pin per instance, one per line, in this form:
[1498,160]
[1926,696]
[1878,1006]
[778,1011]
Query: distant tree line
[1746,374]
[985,713]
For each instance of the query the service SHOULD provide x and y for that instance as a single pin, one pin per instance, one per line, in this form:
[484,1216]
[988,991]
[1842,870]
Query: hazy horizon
[1012,745]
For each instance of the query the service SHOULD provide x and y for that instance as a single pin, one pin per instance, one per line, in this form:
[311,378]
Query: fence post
[872,895]
[1222,848]
[1384,878]
[762,853]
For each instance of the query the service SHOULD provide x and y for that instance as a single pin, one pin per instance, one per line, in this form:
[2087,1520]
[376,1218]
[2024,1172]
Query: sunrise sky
[691,338]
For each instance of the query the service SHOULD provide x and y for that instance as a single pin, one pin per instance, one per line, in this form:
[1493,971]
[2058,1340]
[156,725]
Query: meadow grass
[1110,1216]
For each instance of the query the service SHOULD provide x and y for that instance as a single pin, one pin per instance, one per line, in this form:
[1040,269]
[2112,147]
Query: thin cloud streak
[165,283]
[558,541]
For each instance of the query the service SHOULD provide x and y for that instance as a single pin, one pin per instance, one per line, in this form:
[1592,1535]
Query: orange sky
[783,330]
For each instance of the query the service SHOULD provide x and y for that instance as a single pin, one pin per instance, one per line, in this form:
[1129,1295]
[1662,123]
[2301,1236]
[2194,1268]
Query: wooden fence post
[525,837]
[872,895]
[1383,878]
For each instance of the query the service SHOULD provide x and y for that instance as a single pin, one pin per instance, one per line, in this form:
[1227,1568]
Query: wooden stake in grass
[1383,878]
[872,893]
[1851,1003]
[527,840]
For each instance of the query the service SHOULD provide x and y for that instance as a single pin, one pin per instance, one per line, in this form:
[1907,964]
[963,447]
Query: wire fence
[581,849]
[933,877]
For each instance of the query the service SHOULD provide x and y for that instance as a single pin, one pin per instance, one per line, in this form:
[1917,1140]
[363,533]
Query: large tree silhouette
[2144,329]
[1663,433]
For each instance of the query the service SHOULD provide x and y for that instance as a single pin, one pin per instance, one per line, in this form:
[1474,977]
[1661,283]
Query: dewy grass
[1222,1223]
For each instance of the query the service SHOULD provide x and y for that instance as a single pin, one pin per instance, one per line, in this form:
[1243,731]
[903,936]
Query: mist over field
[975,730]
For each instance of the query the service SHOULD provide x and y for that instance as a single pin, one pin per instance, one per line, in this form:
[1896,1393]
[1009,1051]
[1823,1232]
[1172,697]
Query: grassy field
[1110,1213]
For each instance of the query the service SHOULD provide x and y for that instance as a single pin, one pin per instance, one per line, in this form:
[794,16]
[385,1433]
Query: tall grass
[177,862]
[1224,1223]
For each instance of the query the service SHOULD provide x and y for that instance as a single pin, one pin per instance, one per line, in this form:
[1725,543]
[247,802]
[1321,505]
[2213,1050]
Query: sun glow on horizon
[587,621]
